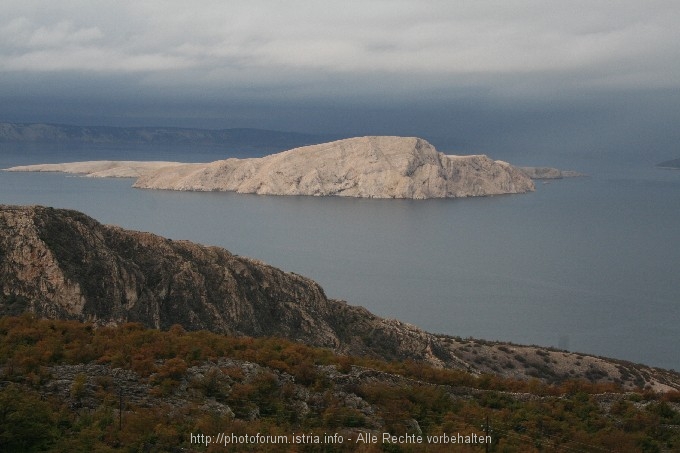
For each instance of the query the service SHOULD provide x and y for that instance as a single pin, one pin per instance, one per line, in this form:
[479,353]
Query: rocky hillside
[63,264]
[368,167]
[65,386]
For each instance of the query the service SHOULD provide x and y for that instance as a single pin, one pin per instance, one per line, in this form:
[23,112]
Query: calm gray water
[588,264]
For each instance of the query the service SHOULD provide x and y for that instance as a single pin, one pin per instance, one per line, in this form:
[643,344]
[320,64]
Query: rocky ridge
[367,167]
[63,264]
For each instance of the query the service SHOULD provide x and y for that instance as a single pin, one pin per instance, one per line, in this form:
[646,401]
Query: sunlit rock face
[368,167]
[365,167]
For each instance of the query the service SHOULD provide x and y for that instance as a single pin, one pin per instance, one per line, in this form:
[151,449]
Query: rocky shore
[61,264]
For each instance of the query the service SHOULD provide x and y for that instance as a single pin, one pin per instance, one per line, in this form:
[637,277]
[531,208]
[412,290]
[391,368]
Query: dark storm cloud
[386,66]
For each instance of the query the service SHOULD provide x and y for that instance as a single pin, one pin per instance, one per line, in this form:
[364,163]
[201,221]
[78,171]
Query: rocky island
[367,167]
[62,264]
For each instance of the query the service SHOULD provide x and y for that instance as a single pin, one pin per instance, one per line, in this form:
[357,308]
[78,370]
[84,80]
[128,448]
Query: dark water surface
[587,264]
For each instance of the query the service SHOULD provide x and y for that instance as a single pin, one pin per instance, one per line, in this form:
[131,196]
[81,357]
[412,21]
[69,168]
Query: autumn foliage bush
[410,397]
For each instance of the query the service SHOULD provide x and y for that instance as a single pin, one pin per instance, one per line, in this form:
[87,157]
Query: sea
[588,264]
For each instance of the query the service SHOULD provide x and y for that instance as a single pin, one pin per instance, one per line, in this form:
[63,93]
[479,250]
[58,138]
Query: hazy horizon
[494,77]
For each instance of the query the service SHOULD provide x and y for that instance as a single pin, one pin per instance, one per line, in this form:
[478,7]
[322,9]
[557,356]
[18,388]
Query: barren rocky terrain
[367,167]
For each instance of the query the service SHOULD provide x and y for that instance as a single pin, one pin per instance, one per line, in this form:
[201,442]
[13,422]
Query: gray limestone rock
[369,167]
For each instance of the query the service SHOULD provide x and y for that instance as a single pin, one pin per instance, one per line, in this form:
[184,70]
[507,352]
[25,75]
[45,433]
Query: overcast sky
[436,67]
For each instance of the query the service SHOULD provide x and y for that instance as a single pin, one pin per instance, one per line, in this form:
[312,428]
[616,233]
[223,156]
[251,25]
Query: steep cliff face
[63,264]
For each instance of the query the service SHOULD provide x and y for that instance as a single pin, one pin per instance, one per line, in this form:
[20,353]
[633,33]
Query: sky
[470,74]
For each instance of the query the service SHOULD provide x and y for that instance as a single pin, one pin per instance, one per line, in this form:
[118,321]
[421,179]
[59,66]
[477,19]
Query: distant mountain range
[675,163]
[259,139]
